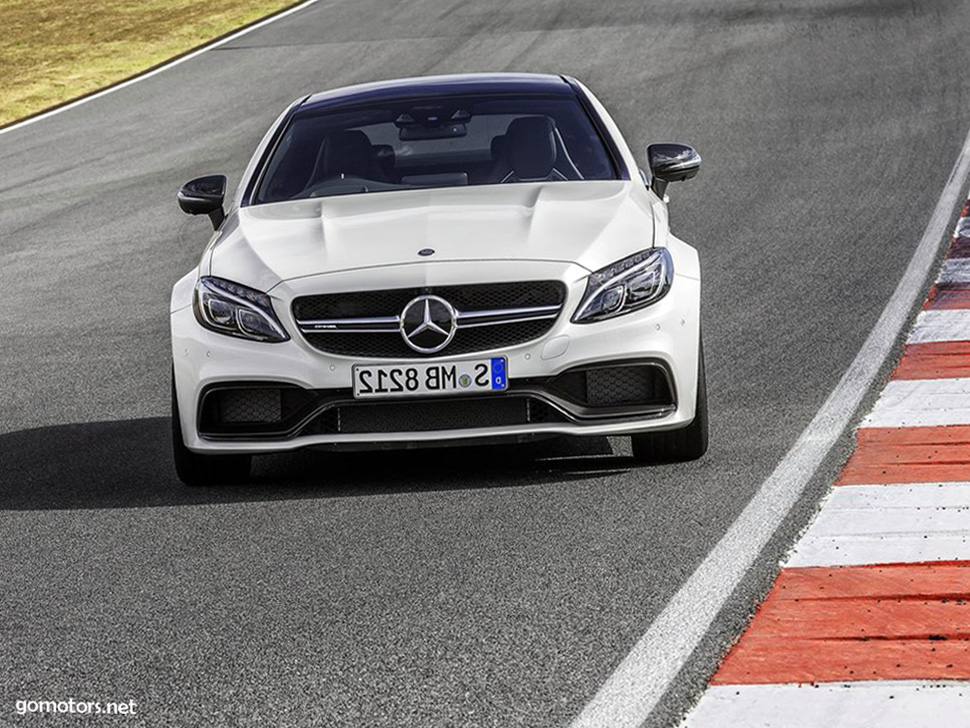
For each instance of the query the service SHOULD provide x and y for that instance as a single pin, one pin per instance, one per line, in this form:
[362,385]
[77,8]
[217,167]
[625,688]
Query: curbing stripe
[946,297]
[909,455]
[935,360]
[921,403]
[956,270]
[960,247]
[887,581]
[853,705]
[925,494]
[882,548]
[940,325]
[834,624]
[787,659]
[879,524]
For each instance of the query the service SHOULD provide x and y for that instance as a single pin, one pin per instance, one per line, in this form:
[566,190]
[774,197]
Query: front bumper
[664,336]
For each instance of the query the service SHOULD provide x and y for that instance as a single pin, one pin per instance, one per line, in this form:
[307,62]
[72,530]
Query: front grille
[432,415]
[477,297]
[511,302]
[390,345]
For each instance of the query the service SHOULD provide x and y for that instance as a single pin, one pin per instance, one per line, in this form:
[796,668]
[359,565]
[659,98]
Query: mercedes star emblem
[428,324]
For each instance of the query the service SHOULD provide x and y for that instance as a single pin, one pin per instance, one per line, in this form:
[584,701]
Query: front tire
[687,443]
[195,469]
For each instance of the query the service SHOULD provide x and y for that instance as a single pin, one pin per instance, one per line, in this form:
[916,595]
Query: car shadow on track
[128,464]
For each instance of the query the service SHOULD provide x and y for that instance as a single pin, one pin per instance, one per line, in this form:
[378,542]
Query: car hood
[591,223]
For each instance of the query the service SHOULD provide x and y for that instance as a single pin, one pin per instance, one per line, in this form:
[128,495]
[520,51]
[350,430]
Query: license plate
[419,378]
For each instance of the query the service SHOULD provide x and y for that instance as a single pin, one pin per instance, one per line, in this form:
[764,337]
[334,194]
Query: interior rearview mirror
[205,196]
[670,162]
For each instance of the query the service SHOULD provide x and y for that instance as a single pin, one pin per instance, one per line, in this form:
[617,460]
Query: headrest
[531,146]
[346,153]
[384,157]
[498,146]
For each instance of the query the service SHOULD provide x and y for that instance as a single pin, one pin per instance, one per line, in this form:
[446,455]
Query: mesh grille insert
[615,386]
[249,405]
[478,297]
[252,408]
[619,386]
[392,346]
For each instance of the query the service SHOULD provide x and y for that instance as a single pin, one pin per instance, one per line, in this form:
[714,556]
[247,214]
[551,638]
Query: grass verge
[52,51]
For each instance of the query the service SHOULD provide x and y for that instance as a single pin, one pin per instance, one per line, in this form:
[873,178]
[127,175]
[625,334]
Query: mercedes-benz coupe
[431,261]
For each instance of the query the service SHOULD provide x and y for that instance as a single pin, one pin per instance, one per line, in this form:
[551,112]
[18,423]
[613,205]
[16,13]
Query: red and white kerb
[868,624]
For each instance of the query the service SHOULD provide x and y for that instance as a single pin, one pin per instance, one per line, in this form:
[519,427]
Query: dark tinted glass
[434,143]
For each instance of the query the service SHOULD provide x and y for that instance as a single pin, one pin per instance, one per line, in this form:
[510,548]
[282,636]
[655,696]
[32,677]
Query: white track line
[631,692]
[884,524]
[155,71]
[888,703]
[922,403]
[943,325]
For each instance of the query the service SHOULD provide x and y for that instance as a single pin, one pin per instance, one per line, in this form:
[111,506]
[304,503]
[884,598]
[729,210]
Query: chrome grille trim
[378,324]
[469,319]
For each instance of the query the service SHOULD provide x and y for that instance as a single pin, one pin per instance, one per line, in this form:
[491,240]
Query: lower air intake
[430,416]
[625,385]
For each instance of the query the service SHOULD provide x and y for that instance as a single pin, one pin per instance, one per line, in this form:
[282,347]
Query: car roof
[457,84]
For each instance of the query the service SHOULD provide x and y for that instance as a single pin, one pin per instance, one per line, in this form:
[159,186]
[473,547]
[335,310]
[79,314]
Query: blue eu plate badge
[499,378]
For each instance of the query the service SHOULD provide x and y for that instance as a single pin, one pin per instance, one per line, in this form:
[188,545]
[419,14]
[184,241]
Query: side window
[289,170]
[273,191]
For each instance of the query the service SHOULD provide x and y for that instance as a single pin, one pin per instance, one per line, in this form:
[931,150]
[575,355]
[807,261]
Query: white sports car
[432,261]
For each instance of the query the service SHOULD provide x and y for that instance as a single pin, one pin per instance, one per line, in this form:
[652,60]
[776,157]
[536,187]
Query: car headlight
[626,285]
[236,310]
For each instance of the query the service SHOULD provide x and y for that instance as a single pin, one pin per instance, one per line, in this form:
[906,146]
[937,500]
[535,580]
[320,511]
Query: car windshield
[415,143]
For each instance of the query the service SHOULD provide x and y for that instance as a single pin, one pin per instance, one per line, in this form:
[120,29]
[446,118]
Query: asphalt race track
[454,588]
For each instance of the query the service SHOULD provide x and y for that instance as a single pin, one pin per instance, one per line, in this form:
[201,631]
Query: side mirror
[671,163]
[204,196]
